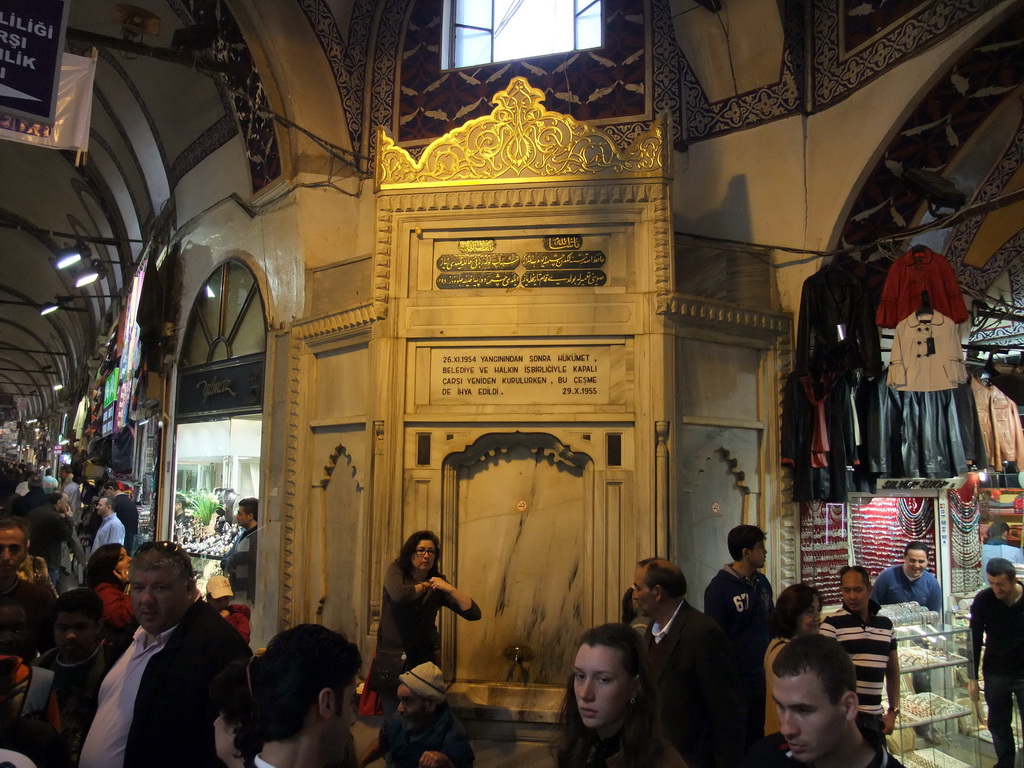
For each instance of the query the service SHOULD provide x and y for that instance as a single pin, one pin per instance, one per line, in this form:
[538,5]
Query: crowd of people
[139,668]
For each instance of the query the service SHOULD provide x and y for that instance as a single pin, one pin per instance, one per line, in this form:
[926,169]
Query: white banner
[70,128]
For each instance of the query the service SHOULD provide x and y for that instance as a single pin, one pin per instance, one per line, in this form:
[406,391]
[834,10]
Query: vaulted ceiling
[177,130]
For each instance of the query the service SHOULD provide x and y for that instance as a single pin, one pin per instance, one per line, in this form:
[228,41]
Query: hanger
[926,307]
[988,371]
[918,251]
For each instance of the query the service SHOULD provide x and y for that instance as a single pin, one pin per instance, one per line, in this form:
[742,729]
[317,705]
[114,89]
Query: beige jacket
[926,354]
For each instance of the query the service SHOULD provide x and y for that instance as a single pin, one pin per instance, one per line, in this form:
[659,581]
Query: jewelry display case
[938,725]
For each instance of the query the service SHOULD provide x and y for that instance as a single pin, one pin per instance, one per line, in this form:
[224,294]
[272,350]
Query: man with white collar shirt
[154,706]
[693,669]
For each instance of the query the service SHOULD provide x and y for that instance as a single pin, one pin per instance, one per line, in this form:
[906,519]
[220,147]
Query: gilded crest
[519,141]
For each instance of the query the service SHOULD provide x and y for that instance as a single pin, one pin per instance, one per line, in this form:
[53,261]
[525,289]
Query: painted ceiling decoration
[783,97]
[939,127]
[857,40]
[247,97]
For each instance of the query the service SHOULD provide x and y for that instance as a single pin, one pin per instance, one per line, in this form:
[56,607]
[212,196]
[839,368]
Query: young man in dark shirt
[78,663]
[815,692]
[997,618]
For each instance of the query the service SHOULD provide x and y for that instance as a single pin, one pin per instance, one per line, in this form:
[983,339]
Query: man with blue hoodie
[739,598]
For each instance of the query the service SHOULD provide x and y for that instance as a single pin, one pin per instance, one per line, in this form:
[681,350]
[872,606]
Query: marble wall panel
[523,540]
[718,381]
[342,380]
[332,521]
[712,497]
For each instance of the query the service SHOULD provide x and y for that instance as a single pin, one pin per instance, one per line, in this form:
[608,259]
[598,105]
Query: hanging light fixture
[90,275]
[71,255]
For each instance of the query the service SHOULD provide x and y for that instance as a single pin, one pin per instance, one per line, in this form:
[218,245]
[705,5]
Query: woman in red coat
[107,575]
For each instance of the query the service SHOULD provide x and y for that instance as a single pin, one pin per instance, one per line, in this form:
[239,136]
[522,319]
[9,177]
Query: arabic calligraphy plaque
[494,279]
[563,242]
[564,278]
[485,245]
[563,259]
[475,262]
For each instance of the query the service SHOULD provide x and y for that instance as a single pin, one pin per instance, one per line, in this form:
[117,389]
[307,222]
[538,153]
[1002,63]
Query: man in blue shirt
[909,582]
[423,733]
[739,598]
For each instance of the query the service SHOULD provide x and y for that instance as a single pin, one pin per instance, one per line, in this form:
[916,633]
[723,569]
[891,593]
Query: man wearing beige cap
[424,733]
[218,595]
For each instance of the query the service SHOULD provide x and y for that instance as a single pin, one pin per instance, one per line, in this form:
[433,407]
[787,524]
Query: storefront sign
[520,375]
[31,42]
[920,483]
[221,389]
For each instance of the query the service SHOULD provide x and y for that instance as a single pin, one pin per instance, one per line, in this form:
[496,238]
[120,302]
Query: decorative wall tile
[856,40]
[600,85]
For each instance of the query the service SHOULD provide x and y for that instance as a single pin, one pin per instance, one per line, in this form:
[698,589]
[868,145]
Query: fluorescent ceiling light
[48,308]
[58,387]
[87,277]
[69,257]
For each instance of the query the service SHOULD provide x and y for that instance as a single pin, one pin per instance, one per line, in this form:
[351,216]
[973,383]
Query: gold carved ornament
[518,141]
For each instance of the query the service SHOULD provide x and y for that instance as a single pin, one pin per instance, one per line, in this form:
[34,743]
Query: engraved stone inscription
[519,375]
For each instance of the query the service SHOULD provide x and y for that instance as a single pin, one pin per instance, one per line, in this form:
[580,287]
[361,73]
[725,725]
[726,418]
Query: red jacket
[238,617]
[913,273]
[117,606]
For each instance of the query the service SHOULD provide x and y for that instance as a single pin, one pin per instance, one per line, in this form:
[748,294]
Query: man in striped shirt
[871,643]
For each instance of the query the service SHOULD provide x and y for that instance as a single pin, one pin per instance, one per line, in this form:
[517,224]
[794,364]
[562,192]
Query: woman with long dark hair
[301,693]
[797,612]
[610,712]
[106,574]
[414,591]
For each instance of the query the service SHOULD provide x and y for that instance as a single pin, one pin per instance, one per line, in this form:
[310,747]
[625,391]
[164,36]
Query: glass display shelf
[937,724]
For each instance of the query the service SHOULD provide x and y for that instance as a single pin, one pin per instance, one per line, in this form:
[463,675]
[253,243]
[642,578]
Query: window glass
[505,30]
[588,24]
[474,14]
[472,46]
[226,319]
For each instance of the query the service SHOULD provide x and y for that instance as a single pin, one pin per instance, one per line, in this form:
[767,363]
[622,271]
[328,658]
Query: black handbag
[384,672]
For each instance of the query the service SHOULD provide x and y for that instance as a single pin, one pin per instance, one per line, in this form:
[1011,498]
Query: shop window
[485,31]
[218,412]
[226,319]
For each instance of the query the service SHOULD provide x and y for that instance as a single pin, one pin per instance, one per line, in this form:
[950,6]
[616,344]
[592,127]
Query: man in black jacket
[154,706]
[694,670]
[997,619]
[35,497]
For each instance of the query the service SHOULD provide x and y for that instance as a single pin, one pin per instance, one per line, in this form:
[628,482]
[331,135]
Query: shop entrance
[218,415]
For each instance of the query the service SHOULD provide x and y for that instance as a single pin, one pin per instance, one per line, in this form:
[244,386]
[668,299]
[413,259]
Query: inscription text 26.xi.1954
[519,375]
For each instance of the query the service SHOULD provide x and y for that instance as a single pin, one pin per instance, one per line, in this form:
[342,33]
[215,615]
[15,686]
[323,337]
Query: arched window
[227,318]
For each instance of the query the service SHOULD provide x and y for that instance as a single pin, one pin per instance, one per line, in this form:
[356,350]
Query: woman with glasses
[414,591]
[797,612]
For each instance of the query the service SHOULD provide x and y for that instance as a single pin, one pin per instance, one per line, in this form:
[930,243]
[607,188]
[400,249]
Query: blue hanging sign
[31,46]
